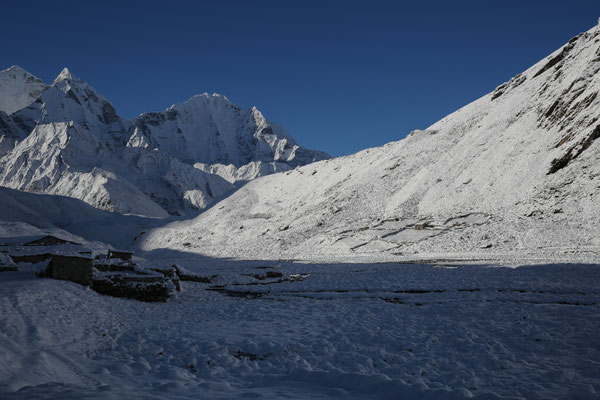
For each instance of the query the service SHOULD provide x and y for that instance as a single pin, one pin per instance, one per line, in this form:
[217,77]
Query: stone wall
[71,268]
[142,288]
[121,255]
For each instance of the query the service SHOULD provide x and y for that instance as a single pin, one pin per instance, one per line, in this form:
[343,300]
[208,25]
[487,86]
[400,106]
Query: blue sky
[341,76]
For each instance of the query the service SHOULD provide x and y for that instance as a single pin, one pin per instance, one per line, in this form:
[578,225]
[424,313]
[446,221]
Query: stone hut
[72,268]
[48,241]
[121,255]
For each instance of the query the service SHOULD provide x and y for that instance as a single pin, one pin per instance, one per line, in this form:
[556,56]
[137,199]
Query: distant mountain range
[67,139]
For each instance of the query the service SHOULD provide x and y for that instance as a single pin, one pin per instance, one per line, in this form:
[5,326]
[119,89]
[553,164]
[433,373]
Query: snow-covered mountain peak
[220,96]
[18,89]
[65,74]
[204,99]
[73,99]
[258,116]
[67,139]
[210,129]
[14,69]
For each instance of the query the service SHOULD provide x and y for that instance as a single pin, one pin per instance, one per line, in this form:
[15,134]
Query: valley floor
[269,329]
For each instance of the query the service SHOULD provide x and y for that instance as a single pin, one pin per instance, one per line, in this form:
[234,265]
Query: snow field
[318,331]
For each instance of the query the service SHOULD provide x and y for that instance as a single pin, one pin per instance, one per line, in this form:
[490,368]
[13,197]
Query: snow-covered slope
[18,89]
[26,214]
[246,172]
[516,170]
[67,139]
[67,159]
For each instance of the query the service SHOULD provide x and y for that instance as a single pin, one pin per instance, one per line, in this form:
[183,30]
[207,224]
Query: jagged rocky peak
[67,139]
[95,106]
[259,118]
[67,99]
[64,75]
[210,129]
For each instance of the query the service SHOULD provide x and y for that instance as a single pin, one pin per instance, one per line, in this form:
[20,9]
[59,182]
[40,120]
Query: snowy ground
[371,330]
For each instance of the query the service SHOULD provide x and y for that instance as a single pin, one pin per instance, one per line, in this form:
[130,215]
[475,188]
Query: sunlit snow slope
[67,139]
[515,171]
[18,89]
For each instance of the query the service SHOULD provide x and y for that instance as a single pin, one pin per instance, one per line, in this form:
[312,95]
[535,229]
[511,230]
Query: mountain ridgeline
[67,139]
[517,170]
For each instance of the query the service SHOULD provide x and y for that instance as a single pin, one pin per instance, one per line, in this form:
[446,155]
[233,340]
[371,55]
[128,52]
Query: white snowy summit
[67,139]
[516,171]
[64,75]
[209,129]
[18,89]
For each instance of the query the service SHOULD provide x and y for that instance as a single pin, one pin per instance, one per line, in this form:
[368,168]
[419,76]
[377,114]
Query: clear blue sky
[339,75]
